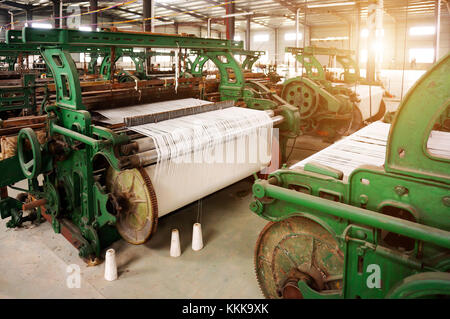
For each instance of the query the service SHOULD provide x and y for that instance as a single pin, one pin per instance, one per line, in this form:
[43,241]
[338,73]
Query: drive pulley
[134,202]
[304,97]
[297,249]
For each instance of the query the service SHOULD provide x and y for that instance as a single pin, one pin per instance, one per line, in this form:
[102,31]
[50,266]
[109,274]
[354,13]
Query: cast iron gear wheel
[296,249]
[303,97]
[137,215]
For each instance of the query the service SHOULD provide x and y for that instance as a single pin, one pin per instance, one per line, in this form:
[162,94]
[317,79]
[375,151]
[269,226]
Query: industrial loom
[332,105]
[367,217]
[105,171]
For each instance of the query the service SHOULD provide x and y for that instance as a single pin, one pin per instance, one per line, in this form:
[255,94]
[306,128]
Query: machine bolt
[256,207]
[360,234]
[363,199]
[446,200]
[258,190]
[401,190]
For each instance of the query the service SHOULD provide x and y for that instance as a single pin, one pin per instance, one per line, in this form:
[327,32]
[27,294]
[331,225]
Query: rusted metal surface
[135,203]
[34,204]
[297,249]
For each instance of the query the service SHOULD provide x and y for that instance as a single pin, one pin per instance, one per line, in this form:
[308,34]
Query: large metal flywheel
[302,96]
[135,203]
[297,249]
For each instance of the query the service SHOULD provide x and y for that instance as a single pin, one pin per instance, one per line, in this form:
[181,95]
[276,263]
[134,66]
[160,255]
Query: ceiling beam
[293,8]
[237,8]
[288,5]
[340,16]
[176,9]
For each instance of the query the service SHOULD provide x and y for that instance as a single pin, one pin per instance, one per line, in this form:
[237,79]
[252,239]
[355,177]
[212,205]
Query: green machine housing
[328,105]
[383,234]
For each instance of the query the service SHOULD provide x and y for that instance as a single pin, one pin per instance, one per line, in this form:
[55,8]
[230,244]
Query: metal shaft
[147,143]
[355,214]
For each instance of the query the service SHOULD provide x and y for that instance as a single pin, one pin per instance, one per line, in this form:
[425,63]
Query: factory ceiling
[263,13]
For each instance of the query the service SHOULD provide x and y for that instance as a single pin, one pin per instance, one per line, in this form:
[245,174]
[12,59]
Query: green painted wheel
[29,153]
[301,96]
[297,249]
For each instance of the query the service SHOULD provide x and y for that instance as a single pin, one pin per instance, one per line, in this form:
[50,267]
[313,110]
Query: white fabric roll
[202,153]
[228,144]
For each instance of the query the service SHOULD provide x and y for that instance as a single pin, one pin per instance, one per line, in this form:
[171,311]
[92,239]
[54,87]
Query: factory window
[85,57]
[378,47]
[237,38]
[127,59]
[289,58]
[291,36]
[85,28]
[427,30]
[264,59]
[162,59]
[263,37]
[42,25]
[421,55]
[363,56]
[365,33]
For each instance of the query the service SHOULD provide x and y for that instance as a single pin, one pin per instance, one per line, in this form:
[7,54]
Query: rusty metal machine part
[297,249]
[389,222]
[134,202]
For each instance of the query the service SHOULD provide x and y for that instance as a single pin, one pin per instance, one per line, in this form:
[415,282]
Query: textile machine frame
[73,197]
[328,107]
[327,238]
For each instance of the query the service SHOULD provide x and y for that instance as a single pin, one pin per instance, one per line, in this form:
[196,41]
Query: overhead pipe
[268,188]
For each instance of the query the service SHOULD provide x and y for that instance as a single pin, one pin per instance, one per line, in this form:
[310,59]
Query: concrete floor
[34,260]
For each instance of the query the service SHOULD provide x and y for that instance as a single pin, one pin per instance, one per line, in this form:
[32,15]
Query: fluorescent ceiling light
[237,14]
[335,4]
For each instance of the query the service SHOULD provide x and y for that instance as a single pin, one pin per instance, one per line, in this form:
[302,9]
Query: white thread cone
[197,240]
[175,250]
[110,265]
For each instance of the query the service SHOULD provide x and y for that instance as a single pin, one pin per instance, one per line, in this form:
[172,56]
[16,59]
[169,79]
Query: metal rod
[355,214]
[34,204]
[75,135]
